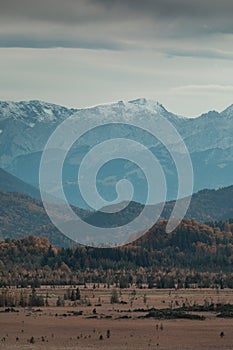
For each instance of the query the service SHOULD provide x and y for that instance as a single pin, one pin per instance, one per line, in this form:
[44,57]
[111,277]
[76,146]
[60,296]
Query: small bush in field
[114,297]
[32,340]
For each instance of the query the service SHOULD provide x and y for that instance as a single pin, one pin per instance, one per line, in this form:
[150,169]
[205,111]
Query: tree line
[194,254]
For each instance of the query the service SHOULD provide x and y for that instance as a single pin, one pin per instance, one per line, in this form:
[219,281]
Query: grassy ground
[58,328]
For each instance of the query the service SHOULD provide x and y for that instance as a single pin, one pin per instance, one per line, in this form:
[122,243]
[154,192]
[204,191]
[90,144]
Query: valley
[96,323]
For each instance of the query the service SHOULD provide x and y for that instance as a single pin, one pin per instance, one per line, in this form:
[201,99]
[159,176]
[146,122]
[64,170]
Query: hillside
[10,183]
[21,215]
[206,205]
[193,253]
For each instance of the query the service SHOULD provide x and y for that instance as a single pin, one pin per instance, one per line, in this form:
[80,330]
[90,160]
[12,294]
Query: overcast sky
[85,52]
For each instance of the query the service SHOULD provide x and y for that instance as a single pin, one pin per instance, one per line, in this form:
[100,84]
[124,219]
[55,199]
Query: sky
[80,53]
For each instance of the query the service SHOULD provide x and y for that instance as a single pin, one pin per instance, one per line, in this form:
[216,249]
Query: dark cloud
[197,53]
[109,24]
[171,8]
[53,11]
[92,10]
[27,41]
[187,16]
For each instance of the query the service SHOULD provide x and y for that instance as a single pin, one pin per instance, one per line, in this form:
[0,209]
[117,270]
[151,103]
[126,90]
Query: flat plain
[95,323]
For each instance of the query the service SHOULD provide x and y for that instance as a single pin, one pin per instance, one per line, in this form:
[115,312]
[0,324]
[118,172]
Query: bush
[114,297]
[32,340]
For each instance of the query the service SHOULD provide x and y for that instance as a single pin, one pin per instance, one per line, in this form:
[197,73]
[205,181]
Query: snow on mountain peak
[31,112]
[152,105]
[126,109]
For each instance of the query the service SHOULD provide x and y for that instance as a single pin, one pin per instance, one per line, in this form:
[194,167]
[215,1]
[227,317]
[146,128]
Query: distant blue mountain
[26,126]
[10,183]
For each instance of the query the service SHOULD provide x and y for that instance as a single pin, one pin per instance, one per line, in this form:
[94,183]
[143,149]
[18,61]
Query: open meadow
[134,322]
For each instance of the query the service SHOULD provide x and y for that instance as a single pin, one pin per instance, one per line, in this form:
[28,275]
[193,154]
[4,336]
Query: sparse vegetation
[114,297]
[32,340]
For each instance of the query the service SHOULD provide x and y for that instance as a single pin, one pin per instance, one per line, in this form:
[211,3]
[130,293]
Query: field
[94,323]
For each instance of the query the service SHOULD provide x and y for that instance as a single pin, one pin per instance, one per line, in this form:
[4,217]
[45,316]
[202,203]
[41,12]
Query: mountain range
[26,126]
[21,215]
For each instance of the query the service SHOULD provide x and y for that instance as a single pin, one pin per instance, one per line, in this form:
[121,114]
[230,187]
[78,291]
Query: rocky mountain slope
[26,126]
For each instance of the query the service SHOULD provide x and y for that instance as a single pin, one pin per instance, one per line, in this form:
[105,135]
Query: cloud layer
[84,52]
[115,24]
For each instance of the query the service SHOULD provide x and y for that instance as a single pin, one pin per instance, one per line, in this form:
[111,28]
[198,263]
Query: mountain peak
[148,103]
[33,111]
[228,112]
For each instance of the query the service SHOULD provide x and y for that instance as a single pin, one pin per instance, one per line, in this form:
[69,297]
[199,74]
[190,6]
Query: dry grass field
[103,325]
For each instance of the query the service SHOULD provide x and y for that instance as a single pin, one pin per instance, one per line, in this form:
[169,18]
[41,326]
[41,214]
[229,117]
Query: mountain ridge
[23,138]
[138,101]
[11,183]
[21,215]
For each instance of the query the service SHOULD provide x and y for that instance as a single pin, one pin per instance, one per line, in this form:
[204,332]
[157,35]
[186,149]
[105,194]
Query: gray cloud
[60,11]
[171,8]
[168,50]
[83,10]
[111,25]
[29,41]
[199,53]
[200,88]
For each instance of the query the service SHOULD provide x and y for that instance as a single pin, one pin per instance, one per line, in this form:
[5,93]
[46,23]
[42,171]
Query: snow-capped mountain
[33,112]
[26,126]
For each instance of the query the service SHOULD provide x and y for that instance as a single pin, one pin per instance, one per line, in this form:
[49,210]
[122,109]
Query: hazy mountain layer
[26,126]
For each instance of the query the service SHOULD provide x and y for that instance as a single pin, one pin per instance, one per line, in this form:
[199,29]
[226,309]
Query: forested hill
[10,183]
[205,205]
[208,205]
[192,249]
[21,215]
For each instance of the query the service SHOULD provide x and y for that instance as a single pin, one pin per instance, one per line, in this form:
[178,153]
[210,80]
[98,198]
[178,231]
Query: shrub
[114,297]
